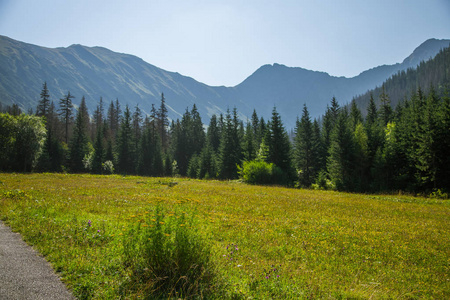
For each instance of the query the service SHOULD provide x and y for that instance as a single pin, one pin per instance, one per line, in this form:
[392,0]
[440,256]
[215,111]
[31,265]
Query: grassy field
[264,242]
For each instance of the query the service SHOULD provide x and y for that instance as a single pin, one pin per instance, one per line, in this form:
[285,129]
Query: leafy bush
[21,141]
[261,172]
[166,256]
[323,183]
[108,167]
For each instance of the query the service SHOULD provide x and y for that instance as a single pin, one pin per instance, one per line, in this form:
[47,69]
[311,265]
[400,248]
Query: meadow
[262,242]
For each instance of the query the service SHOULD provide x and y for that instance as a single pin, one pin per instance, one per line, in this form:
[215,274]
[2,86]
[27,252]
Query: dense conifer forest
[382,148]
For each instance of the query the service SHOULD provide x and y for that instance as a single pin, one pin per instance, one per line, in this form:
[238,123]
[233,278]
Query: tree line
[405,148]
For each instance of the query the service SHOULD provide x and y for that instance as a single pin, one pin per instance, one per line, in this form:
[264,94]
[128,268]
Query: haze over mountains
[96,72]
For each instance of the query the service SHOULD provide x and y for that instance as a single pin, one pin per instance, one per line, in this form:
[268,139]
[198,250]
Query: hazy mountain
[98,72]
[432,73]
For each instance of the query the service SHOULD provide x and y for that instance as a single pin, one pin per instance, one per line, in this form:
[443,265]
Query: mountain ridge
[100,72]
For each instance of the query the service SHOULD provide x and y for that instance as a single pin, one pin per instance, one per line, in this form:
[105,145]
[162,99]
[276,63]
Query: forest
[374,144]
[401,149]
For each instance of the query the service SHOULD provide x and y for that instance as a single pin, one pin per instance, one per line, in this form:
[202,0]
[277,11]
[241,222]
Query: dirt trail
[24,274]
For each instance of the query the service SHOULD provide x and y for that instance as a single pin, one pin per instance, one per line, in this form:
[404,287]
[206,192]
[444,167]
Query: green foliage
[323,182]
[230,152]
[207,164]
[125,145]
[193,167]
[79,143]
[65,112]
[340,163]
[306,150]
[22,139]
[261,172]
[167,257]
[319,238]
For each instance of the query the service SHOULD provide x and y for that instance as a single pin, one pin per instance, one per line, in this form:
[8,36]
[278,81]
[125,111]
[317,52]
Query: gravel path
[24,273]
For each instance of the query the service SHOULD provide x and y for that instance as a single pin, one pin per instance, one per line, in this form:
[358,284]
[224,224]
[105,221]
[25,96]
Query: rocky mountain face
[96,72]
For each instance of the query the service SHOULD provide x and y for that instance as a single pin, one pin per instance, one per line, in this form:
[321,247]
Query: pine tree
[328,124]
[97,119]
[256,126]
[137,121]
[361,156]
[44,103]
[374,130]
[340,162]
[65,111]
[355,115]
[426,157]
[99,153]
[79,143]
[85,113]
[385,109]
[230,152]
[213,134]
[125,145]
[317,146]
[372,113]
[249,143]
[443,148]
[196,133]
[304,152]
[163,122]
[207,164]
[279,146]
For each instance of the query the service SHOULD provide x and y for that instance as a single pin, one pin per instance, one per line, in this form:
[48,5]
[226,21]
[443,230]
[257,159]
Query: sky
[224,42]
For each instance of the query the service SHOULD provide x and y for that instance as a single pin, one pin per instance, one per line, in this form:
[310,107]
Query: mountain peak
[425,51]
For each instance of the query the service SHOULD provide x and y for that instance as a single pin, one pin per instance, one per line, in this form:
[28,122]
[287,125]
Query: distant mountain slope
[289,88]
[432,73]
[98,72]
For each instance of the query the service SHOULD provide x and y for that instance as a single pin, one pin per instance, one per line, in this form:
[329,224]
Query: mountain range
[95,72]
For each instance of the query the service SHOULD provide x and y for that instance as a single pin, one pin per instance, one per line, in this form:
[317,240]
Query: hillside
[96,72]
[435,73]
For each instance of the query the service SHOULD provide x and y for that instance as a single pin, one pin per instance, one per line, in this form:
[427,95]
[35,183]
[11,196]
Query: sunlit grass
[267,242]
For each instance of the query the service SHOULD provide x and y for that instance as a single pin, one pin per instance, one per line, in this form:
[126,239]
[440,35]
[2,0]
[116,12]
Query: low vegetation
[138,237]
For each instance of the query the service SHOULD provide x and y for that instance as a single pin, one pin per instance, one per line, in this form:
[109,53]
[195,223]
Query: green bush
[166,258]
[261,172]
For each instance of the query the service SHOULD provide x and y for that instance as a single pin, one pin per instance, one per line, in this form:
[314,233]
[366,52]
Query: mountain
[432,73]
[96,72]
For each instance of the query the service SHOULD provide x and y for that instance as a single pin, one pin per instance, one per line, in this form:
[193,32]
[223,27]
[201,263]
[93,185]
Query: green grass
[291,244]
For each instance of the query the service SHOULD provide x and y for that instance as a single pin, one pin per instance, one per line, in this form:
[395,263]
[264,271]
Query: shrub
[108,167]
[261,172]
[323,183]
[166,257]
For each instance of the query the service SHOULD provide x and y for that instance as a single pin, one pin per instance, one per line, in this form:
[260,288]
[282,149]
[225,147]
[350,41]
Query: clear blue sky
[223,42]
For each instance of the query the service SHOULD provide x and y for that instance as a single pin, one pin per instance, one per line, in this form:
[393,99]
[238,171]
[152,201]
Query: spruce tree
[355,115]
[44,102]
[99,152]
[137,122]
[340,162]
[385,109]
[207,164]
[125,145]
[213,134]
[163,122]
[97,119]
[230,152]
[249,143]
[79,143]
[279,146]
[304,152]
[361,156]
[196,132]
[65,111]
[443,148]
